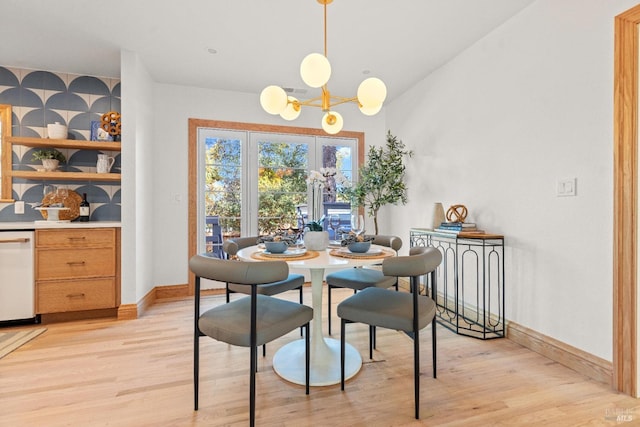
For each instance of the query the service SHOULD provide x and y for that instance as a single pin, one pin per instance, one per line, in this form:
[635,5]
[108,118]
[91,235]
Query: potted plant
[50,158]
[382,178]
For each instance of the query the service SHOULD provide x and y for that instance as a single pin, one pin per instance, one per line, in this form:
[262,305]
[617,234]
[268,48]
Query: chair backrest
[421,260]
[232,246]
[241,272]
[393,242]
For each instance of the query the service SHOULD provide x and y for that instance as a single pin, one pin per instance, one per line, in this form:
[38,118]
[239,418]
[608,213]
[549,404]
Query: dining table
[289,360]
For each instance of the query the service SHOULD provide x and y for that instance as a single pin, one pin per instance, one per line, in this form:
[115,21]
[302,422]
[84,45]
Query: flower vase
[316,240]
[438,215]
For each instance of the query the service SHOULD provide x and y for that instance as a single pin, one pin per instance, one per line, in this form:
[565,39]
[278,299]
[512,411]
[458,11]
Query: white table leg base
[288,362]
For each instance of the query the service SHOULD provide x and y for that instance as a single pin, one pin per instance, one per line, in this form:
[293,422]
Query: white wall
[173,106]
[496,127]
[138,152]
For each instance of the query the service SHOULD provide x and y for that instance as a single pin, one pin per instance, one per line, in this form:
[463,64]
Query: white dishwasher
[17,286]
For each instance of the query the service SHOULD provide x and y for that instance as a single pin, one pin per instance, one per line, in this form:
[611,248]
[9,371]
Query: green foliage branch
[381,179]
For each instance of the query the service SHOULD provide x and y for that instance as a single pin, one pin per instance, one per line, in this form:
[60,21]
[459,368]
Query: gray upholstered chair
[293,281]
[248,321]
[402,311]
[362,278]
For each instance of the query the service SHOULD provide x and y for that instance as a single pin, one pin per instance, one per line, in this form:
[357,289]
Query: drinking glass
[334,224]
[49,189]
[63,193]
[357,224]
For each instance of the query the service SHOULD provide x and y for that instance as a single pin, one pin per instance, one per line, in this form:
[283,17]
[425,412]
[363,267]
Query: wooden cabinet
[64,143]
[77,269]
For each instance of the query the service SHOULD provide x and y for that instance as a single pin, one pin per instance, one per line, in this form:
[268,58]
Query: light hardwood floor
[138,373]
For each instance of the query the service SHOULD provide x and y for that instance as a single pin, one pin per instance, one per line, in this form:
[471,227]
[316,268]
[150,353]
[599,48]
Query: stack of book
[457,227]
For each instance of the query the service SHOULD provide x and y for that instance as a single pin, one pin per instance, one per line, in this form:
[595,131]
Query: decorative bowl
[359,247]
[276,247]
[57,131]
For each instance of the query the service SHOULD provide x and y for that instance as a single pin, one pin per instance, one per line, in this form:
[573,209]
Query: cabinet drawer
[54,264]
[81,237]
[55,297]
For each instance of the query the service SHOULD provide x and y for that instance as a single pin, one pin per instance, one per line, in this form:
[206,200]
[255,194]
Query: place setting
[354,245]
[283,245]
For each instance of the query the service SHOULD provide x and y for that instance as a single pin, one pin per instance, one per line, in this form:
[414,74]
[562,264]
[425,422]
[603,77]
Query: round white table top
[323,260]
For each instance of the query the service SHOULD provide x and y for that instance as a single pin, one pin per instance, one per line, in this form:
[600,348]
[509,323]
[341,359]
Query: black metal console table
[469,291]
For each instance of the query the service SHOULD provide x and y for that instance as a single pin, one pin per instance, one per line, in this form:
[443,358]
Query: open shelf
[73,176]
[65,143]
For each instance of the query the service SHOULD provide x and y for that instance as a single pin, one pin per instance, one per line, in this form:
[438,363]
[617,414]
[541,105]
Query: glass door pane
[222,180]
[282,164]
[339,156]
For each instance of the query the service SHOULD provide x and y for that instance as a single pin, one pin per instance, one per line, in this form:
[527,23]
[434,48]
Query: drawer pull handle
[17,240]
[78,295]
[75,263]
[76,238]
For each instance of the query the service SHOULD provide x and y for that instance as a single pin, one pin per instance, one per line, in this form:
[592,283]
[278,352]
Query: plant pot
[50,164]
[316,240]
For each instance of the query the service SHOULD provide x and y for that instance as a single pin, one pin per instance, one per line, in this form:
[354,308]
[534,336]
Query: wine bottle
[84,208]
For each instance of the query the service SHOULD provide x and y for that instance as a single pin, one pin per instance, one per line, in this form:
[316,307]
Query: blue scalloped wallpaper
[42,97]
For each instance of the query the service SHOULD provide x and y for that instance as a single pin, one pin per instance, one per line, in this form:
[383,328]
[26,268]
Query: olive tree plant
[381,179]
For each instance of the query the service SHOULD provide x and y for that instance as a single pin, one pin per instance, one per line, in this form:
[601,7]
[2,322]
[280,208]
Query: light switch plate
[566,187]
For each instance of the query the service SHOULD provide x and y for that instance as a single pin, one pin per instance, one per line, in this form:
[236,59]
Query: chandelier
[315,71]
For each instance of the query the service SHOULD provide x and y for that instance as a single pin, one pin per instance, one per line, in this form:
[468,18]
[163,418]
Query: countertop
[34,225]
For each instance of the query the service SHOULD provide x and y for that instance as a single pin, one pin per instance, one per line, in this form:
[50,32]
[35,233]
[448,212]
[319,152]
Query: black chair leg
[196,343]
[196,366]
[372,331]
[342,348]
[307,357]
[416,372]
[228,292]
[301,327]
[433,345]
[374,338]
[252,386]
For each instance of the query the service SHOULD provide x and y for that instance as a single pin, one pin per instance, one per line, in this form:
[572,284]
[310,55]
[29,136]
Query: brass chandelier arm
[317,101]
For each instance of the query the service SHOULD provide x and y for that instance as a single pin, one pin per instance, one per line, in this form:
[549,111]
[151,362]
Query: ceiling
[257,42]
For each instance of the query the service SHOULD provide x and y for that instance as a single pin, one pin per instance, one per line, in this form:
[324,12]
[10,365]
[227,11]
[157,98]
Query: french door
[255,182]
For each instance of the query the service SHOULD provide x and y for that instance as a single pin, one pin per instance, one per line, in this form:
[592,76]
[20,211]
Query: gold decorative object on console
[315,71]
[457,213]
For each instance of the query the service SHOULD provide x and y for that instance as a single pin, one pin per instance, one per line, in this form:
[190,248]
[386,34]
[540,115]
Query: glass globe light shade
[372,92]
[292,111]
[332,122]
[273,99]
[315,70]
[370,111]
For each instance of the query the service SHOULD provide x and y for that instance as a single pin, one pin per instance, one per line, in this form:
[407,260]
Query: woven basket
[72,201]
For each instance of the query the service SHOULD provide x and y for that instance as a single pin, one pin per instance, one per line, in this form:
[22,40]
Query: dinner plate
[370,252]
[291,252]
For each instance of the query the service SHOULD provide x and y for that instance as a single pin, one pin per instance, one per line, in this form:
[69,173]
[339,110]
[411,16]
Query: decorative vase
[50,164]
[316,240]
[438,215]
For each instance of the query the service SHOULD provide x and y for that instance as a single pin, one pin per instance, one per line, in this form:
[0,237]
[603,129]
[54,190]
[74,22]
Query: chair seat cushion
[294,281]
[360,278]
[231,323]
[387,309]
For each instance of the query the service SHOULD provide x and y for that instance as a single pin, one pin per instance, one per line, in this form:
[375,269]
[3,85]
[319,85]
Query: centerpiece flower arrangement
[316,180]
